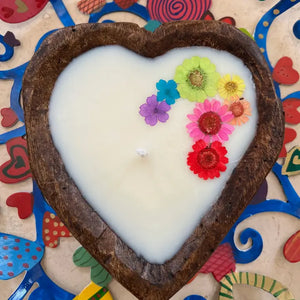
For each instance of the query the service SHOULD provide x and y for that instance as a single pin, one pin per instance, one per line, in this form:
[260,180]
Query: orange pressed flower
[240,109]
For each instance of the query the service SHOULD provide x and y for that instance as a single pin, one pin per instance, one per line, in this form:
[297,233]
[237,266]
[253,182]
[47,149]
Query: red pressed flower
[207,161]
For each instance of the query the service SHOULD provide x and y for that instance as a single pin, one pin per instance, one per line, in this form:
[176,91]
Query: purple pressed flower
[154,111]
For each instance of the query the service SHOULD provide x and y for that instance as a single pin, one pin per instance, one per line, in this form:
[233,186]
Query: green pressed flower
[197,79]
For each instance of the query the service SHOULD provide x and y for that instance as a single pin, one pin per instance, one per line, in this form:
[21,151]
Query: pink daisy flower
[210,122]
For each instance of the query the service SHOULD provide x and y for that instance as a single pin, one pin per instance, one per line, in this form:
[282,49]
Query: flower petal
[152,101]
[160,96]
[170,100]
[161,84]
[162,117]
[163,107]
[151,120]
[227,117]
[172,84]
[193,118]
[207,105]
[222,110]
[145,110]
[215,105]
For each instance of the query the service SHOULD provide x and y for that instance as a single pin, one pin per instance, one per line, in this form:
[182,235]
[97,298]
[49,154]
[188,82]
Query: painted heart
[23,202]
[220,263]
[291,248]
[10,39]
[22,7]
[125,3]
[7,12]
[209,16]
[289,135]
[291,164]
[9,117]
[284,73]
[53,229]
[290,107]
[20,10]
[89,6]
[17,168]
[94,291]
[17,255]
[99,275]
[148,169]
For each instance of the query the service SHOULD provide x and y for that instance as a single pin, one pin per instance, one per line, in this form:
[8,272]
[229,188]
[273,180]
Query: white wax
[134,175]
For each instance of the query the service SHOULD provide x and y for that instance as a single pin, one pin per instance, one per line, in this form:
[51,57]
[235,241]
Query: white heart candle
[135,175]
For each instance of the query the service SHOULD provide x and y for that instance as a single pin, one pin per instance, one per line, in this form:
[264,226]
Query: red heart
[7,12]
[229,20]
[53,228]
[12,11]
[220,263]
[289,135]
[9,117]
[208,16]
[17,168]
[291,248]
[89,6]
[125,3]
[284,73]
[23,202]
[290,106]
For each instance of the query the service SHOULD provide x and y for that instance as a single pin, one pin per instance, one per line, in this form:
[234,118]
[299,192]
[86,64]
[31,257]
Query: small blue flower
[167,91]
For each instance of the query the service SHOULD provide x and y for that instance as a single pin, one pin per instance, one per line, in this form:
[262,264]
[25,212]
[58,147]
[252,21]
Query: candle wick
[141,152]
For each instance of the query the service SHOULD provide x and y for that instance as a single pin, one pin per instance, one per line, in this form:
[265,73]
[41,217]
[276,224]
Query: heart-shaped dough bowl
[144,279]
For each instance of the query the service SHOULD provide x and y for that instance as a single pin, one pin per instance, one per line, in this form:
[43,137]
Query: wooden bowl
[143,279]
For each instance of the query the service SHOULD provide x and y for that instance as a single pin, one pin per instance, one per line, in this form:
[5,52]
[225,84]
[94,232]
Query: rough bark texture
[145,280]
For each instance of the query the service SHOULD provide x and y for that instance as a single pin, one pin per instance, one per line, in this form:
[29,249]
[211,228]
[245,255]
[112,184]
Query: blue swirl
[291,207]
[9,50]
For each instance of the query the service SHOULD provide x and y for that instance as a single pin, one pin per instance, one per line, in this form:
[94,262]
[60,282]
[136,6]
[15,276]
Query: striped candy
[172,10]
[265,283]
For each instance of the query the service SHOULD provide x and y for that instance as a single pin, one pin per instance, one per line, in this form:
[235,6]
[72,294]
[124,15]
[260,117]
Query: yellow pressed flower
[229,87]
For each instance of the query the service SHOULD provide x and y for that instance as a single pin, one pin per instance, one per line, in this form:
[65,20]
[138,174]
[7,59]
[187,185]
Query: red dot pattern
[17,255]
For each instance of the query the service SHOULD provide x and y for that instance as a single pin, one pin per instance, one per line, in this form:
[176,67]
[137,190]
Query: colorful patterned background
[39,259]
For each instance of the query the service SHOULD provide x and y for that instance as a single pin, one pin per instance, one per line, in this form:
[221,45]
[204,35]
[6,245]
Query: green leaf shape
[245,31]
[99,275]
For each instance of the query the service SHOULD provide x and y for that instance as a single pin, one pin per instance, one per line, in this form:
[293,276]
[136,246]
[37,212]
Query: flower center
[231,86]
[196,78]
[237,109]
[210,123]
[208,158]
